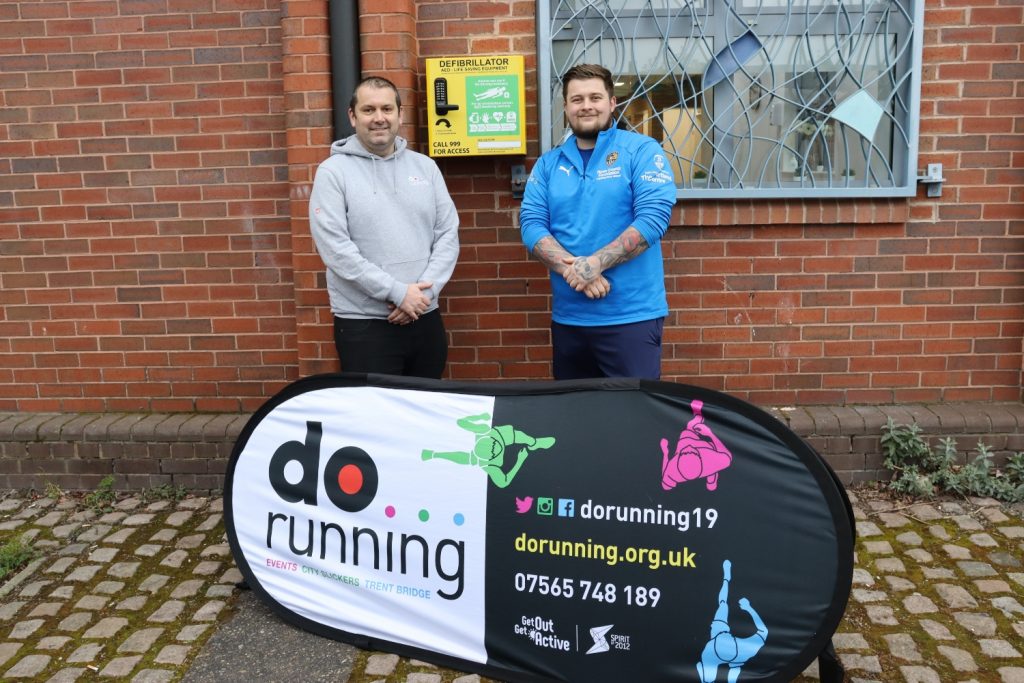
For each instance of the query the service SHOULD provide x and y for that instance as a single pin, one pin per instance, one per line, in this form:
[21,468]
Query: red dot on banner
[350,479]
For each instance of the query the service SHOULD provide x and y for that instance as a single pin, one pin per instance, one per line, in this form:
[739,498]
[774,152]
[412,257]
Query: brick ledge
[76,450]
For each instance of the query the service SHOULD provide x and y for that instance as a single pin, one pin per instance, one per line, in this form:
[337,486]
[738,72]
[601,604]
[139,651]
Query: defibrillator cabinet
[476,106]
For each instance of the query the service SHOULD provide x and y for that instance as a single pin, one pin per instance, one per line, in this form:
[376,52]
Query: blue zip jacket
[627,182]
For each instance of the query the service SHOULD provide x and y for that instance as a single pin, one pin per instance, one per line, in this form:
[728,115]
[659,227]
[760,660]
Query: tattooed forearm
[552,254]
[626,246]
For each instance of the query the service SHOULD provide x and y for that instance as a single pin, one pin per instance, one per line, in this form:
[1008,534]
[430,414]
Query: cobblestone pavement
[134,593]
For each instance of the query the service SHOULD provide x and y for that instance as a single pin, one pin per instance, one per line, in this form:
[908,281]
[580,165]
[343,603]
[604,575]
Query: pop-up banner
[598,530]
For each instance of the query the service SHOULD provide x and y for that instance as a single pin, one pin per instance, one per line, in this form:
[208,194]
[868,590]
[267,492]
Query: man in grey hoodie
[387,230]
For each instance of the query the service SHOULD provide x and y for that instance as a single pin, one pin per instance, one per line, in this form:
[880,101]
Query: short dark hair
[582,72]
[374,82]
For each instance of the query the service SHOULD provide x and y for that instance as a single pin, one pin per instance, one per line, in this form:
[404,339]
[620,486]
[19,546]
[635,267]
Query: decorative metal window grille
[752,98]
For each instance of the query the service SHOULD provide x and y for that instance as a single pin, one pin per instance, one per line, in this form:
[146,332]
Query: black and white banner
[599,530]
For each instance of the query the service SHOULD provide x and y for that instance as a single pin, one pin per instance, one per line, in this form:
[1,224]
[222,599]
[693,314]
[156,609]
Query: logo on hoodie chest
[418,180]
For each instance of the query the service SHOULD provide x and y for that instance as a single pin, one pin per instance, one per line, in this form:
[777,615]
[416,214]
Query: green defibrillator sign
[477,106]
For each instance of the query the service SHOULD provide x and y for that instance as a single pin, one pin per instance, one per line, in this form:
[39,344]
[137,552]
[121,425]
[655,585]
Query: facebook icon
[566,507]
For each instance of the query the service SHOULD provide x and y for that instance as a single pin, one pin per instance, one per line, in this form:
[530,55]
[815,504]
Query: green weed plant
[15,553]
[921,471]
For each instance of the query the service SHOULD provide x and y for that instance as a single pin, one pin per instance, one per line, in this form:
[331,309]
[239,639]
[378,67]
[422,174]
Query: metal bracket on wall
[518,180]
[933,180]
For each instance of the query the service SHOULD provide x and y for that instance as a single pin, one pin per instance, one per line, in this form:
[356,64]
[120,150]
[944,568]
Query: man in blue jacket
[594,211]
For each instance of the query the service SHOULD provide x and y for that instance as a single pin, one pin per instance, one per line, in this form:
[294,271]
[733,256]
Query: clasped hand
[416,302]
[583,273]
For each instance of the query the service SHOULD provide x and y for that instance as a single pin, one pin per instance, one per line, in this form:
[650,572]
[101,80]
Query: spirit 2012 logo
[350,475]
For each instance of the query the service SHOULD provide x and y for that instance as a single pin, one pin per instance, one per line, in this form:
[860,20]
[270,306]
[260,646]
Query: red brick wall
[145,259]
[779,302]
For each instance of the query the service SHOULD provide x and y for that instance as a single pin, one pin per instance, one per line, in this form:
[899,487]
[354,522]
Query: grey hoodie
[381,224]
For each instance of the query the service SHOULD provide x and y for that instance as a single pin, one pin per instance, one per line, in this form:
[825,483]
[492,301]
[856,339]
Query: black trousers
[419,349]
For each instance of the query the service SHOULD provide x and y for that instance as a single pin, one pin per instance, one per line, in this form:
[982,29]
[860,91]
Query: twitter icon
[523,505]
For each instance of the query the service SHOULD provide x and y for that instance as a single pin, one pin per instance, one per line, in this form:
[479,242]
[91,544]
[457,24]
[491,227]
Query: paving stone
[862,595]
[123,570]
[210,522]
[936,630]
[169,611]
[861,577]
[106,627]
[108,587]
[7,650]
[939,532]
[75,621]
[1012,531]
[890,564]
[46,609]
[219,591]
[83,574]
[64,530]
[132,604]
[902,646]
[882,615]
[23,629]
[172,654]
[207,568]
[978,624]
[175,559]
[120,667]
[140,519]
[920,555]
[960,659]
[216,550]
[103,555]
[148,550]
[28,667]
[189,542]
[119,536]
[967,523]
[232,575]
[164,536]
[919,674]
[855,662]
[893,520]
[85,653]
[140,641]
[998,648]
[94,533]
[471,678]
[61,565]
[899,584]
[178,518]
[911,538]
[92,602]
[992,586]
[52,642]
[983,541]
[955,596]
[158,506]
[381,664]
[938,573]
[1009,606]
[186,589]
[850,641]
[919,604]
[209,611]
[153,583]
[867,529]
[418,677]
[976,569]
[1011,674]
[49,519]
[191,632]
[1004,559]
[878,547]
[7,611]
[154,676]
[957,552]
[66,676]
[113,518]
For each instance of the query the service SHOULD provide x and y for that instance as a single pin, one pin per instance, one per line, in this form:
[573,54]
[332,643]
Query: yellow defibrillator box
[476,106]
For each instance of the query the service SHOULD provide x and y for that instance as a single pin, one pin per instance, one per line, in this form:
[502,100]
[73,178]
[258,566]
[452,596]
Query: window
[753,98]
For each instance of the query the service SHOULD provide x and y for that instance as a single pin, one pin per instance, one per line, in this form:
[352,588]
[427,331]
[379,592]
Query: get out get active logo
[351,479]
